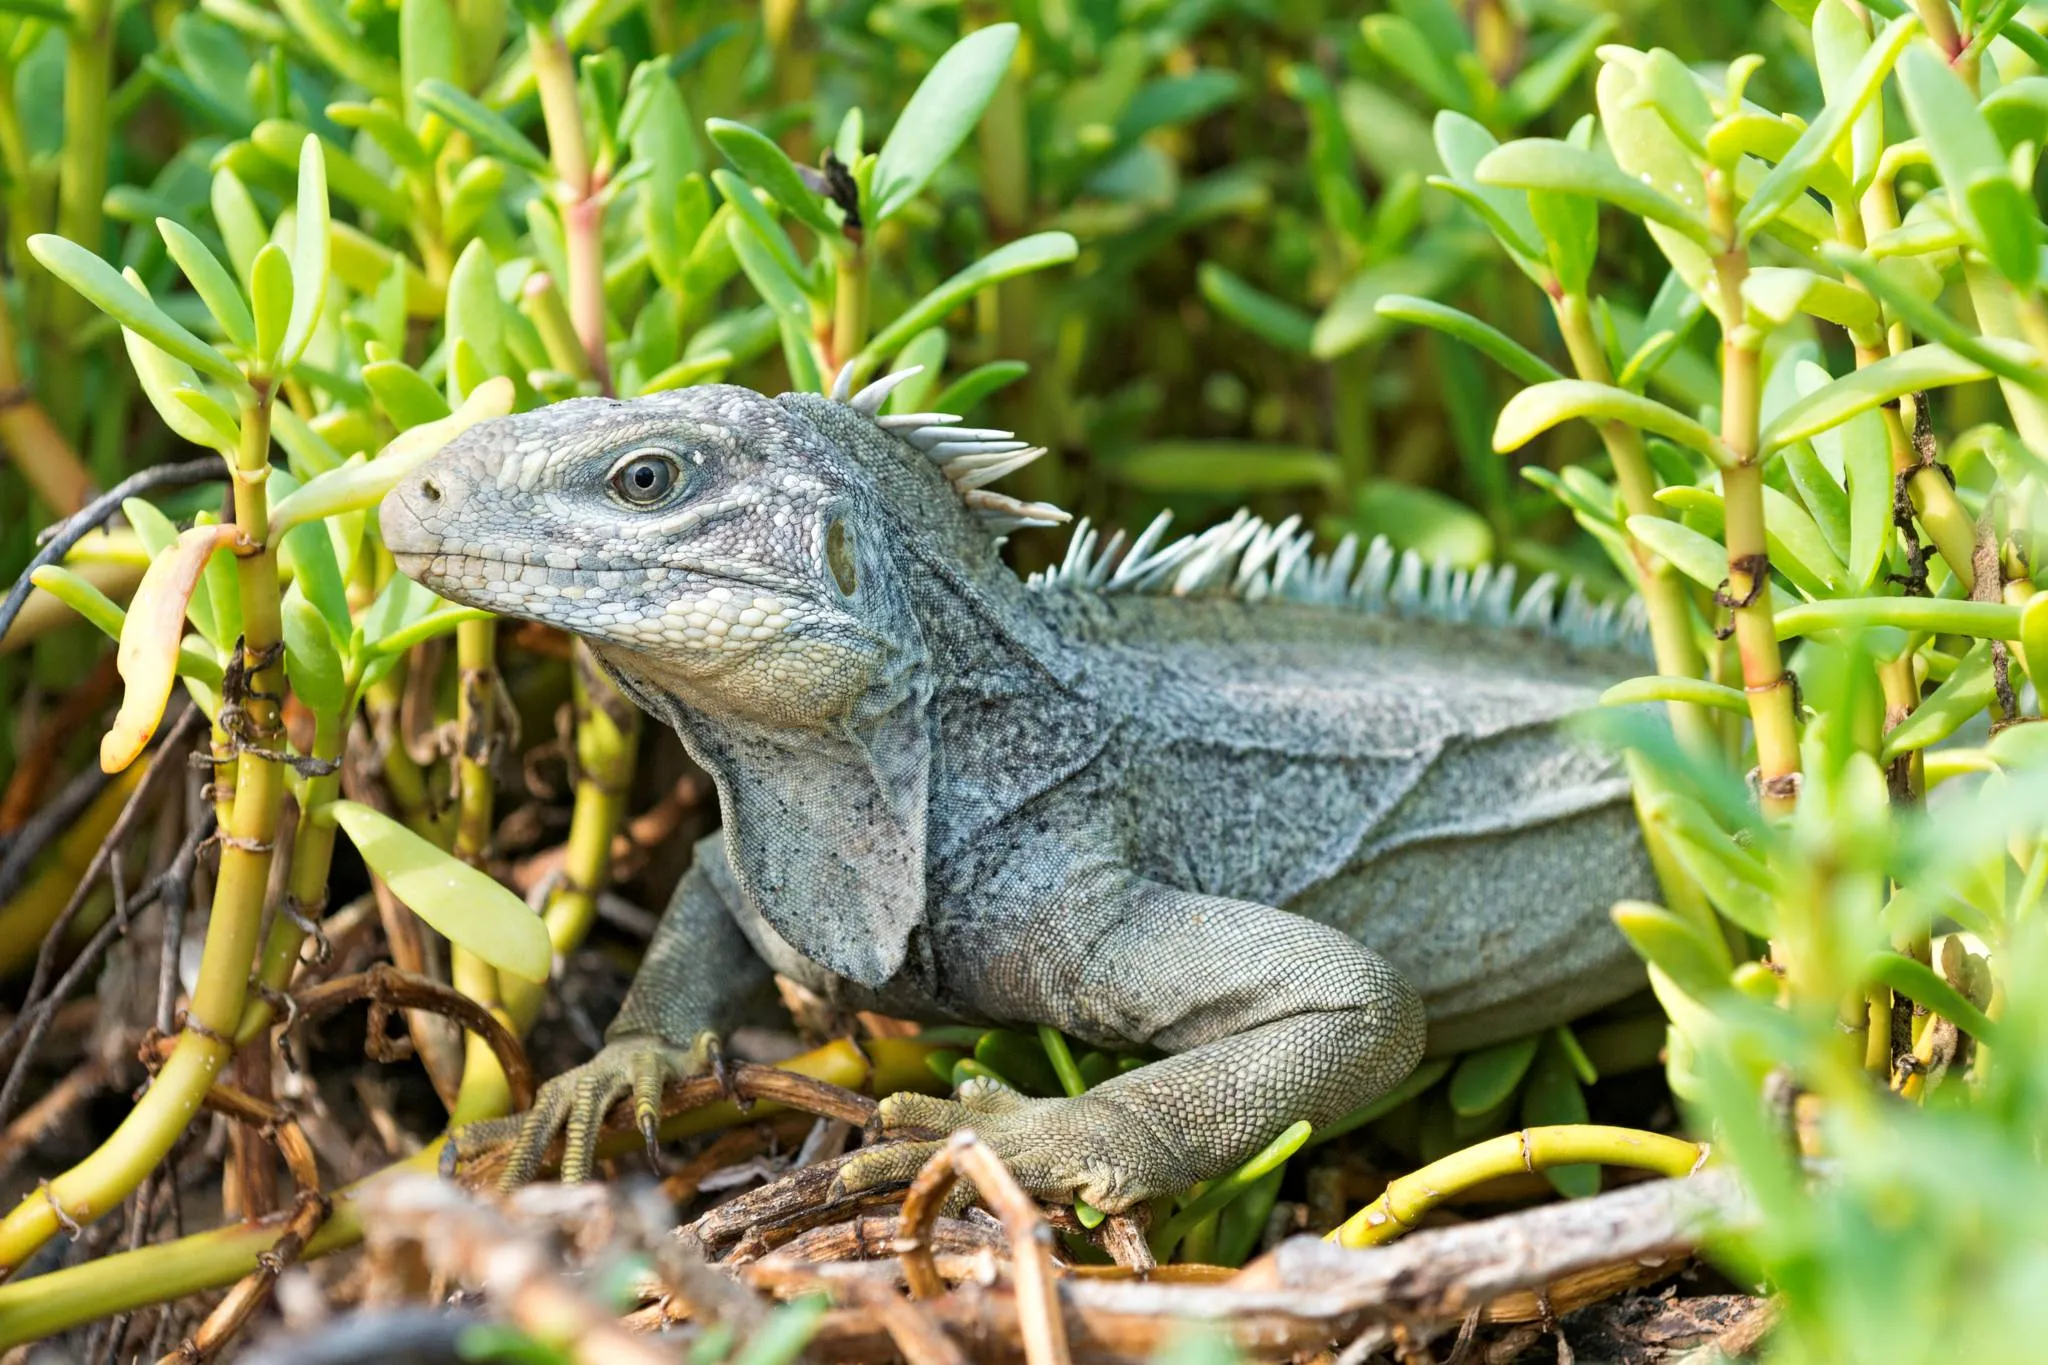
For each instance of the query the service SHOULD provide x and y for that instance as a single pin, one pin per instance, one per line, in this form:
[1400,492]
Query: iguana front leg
[700,979]
[1270,1018]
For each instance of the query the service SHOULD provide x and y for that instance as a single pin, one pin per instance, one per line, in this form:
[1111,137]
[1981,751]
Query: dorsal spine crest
[1245,557]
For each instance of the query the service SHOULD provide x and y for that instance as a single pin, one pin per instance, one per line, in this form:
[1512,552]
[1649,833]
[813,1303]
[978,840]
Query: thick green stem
[1531,1149]
[82,177]
[1764,679]
[607,741]
[582,222]
[1666,599]
[81,190]
[849,304]
[1941,514]
[577,190]
[550,316]
[485,1093]
[99,1183]
[2005,312]
[306,889]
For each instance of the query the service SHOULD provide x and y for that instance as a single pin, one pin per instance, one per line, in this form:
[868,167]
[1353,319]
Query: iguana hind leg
[1269,1019]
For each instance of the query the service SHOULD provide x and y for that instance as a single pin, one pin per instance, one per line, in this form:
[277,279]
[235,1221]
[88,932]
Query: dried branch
[471,1243]
[250,1292]
[387,988]
[1038,1306]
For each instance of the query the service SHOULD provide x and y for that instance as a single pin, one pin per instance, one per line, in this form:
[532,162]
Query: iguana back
[1371,761]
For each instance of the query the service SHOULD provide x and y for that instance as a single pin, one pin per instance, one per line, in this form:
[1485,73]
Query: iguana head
[750,568]
[715,543]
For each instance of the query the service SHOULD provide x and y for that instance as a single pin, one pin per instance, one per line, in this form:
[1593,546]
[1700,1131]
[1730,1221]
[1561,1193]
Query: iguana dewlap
[1263,813]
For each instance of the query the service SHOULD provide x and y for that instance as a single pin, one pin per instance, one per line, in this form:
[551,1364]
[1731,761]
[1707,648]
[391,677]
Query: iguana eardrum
[1263,813]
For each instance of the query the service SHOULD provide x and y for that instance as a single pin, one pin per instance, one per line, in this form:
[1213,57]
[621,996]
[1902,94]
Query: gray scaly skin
[1190,798]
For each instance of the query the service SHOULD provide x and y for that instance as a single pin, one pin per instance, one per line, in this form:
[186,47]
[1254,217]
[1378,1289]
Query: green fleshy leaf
[311,661]
[792,306]
[1272,320]
[1517,359]
[941,113]
[1696,556]
[309,251]
[216,288]
[1692,691]
[1039,251]
[1816,146]
[1485,1079]
[469,907]
[1695,961]
[1886,381]
[1537,409]
[270,292]
[103,287]
[485,126]
[1547,164]
[966,393]
[755,156]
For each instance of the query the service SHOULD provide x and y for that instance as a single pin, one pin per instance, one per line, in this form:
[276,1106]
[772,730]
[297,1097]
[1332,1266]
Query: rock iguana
[1260,812]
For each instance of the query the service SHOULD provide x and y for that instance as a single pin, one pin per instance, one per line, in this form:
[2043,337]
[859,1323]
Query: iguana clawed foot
[576,1102]
[1090,1145]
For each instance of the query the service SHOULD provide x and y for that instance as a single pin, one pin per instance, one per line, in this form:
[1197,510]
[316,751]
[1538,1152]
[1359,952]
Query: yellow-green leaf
[1659,687]
[1695,963]
[467,906]
[1923,367]
[1485,1079]
[1540,407]
[270,291]
[309,250]
[359,484]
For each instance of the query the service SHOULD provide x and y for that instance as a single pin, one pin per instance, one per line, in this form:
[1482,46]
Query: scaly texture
[1285,819]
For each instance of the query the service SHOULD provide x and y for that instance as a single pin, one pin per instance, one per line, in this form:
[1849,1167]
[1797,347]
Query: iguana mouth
[443,570]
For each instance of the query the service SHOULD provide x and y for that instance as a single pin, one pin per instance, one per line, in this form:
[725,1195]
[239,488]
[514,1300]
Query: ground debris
[1559,1281]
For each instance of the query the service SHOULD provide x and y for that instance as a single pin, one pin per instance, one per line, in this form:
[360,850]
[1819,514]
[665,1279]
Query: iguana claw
[575,1103]
[1089,1145]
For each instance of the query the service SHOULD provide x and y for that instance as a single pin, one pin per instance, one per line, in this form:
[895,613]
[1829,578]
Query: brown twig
[81,1084]
[170,885]
[253,1289]
[1038,1306]
[25,844]
[276,1125]
[386,987]
[913,1329]
[88,519]
[439,1048]
[166,762]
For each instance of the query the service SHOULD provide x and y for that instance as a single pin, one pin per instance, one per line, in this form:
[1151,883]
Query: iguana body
[1217,799]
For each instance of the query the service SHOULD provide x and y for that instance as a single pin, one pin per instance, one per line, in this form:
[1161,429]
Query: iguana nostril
[430,490]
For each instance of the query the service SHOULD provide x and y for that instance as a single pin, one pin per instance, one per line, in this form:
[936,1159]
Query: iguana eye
[645,477]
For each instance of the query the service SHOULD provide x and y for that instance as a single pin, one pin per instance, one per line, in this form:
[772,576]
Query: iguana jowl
[1262,813]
